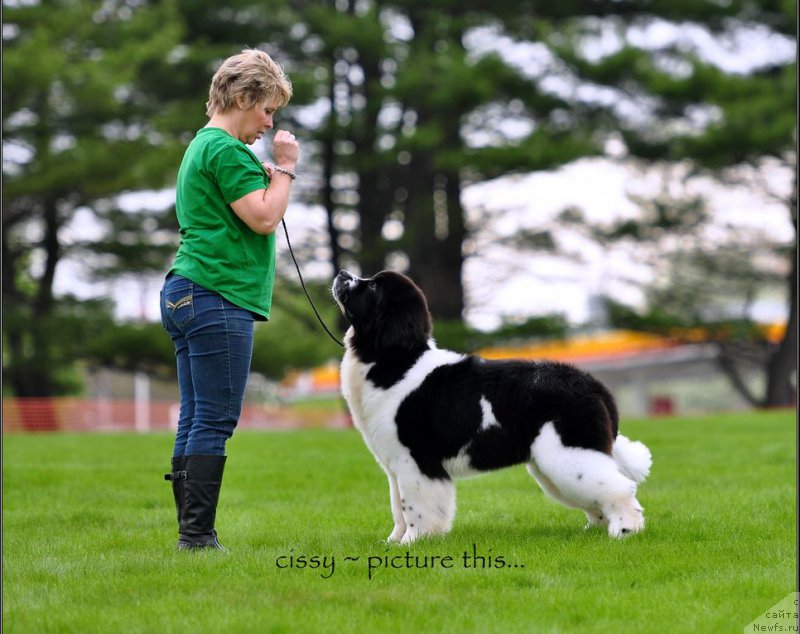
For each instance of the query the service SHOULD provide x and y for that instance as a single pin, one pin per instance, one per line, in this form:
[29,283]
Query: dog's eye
[372,286]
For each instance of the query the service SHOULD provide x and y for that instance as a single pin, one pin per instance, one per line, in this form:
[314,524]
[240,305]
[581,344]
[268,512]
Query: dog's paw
[409,537]
[595,520]
[626,522]
[396,535]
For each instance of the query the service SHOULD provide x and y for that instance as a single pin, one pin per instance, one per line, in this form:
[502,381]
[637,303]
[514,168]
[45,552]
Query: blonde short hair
[252,75]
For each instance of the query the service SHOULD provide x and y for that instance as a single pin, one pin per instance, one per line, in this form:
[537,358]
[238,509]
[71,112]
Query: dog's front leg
[397,510]
[428,504]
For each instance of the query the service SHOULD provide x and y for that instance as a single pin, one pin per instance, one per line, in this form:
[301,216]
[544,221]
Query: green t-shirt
[218,251]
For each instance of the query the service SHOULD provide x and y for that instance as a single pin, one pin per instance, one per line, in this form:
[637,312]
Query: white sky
[600,189]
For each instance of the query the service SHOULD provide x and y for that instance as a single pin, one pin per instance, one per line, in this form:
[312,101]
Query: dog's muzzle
[342,285]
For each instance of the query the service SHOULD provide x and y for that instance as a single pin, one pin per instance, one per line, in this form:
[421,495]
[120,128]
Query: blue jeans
[214,346]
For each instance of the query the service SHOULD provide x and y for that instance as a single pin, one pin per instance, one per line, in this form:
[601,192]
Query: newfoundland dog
[430,416]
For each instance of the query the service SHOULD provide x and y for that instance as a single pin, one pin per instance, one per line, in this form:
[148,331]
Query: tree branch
[729,368]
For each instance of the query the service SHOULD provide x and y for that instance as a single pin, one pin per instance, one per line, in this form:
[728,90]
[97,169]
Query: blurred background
[608,183]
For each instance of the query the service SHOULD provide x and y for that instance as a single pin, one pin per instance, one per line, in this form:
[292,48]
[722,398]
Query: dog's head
[388,312]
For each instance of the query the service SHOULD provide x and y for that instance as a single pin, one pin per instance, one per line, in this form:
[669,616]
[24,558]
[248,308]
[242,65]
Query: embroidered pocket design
[181,311]
[183,301]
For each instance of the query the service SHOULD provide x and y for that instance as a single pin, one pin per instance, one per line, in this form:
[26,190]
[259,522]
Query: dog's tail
[632,457]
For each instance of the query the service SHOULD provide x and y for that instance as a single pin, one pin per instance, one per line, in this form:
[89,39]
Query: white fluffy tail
[633,458]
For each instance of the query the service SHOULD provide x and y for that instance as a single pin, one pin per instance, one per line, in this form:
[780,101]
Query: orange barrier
[80,414]
[583,348]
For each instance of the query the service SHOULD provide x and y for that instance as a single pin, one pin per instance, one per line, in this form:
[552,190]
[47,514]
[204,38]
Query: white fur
[488,415]
[588,480]
[633,458]
[428,506]
[459,466]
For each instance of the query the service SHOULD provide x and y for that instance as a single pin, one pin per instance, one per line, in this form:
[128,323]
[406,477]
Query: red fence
[80,414]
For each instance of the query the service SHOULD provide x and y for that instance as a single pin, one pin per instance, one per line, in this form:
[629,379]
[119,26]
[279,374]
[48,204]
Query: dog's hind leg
[590,480]
[397,509]
[428,504]
[548,487]
[594,517]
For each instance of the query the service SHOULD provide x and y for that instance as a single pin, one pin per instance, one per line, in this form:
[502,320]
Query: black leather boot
[177,476]
[201,486]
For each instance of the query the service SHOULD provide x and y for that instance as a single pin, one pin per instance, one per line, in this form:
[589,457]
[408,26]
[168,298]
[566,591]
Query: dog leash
[303,284]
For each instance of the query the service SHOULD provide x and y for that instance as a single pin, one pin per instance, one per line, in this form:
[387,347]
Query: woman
[228,205]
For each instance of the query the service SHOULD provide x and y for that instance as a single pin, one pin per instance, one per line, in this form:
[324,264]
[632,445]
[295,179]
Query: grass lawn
[89,532]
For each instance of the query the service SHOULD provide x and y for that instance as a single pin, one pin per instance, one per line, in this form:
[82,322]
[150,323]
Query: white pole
[141,392]
[174,415]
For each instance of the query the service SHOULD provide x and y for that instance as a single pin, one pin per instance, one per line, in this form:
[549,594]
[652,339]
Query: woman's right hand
[285,150]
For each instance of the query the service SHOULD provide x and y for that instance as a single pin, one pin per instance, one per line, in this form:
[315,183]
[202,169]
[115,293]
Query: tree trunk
[328,170]
[31,368]
[374,199]
[434,237]
[436,260]
[52,248]
[782,364]
[434,213]
[372,213]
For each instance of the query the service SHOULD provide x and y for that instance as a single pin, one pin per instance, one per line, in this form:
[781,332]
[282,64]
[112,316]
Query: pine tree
[731,125]
[80,126]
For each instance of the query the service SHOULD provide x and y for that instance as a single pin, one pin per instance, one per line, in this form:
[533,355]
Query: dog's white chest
[354,378]
[374,409]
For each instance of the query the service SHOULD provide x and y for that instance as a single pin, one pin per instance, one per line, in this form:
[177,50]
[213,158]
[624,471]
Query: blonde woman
[228,205]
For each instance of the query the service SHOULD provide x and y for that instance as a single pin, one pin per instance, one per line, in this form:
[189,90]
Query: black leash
[303,284]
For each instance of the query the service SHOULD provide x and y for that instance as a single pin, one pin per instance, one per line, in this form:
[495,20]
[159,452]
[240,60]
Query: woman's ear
[240,102]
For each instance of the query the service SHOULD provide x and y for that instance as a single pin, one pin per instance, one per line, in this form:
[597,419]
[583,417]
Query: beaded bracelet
[289,173]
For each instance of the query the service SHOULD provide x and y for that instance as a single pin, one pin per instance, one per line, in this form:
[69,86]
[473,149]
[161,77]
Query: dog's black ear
[401,331]
[405,322]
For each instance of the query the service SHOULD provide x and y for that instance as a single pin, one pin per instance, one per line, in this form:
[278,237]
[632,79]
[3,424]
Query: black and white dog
[432,415]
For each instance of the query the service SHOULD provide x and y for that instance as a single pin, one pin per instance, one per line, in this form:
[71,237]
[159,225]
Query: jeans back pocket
[179,302]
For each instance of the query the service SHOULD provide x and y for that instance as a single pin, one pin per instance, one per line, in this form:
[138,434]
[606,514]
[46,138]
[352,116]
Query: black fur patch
[386,372]
[444,414]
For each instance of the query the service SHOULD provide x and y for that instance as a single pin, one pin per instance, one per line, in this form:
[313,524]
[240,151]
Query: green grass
[89,531]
